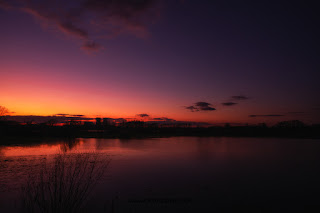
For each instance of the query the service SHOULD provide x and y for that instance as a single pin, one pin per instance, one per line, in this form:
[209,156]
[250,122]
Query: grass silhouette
[64,184]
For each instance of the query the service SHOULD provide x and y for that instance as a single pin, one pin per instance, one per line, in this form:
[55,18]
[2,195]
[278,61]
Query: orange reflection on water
[112,147]
[34,150]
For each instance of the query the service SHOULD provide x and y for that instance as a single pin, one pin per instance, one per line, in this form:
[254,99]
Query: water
[180,173]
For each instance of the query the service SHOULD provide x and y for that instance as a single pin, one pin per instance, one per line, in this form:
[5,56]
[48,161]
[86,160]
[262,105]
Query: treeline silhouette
[140,129]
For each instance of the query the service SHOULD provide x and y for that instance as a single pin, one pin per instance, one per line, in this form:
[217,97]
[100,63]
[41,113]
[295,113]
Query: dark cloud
[4,4]
[229,103]
[78,118]
[91,46]
[61,114]
[192,108]
[200,106]
[90,20]
[164,119]
[69,116]
[239,97]
[271,115]
[143,115]
[204,106]
[207,108]
[70,28]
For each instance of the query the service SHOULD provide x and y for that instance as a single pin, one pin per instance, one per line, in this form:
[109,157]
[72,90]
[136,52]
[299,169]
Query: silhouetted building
[107,121]
[88,123]
[98,121]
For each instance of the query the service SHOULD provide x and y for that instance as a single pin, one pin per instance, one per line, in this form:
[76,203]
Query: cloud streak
[164,119]
[91,20]
[91,46]
[143,115]
[229,103]
[200,106]
[239,97]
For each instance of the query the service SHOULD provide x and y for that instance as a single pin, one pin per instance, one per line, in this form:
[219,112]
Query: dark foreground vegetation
[138,129]
[62,184]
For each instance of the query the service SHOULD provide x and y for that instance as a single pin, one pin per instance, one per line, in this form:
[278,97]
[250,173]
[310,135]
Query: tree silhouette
[3,111]
[290,124]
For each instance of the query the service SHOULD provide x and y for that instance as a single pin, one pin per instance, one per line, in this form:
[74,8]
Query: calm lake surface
[180,173]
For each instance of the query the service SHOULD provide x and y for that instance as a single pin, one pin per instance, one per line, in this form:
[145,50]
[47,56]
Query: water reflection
[68,144]
[206,170]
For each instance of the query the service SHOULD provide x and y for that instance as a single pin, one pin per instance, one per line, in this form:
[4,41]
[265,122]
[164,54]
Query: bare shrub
[64,184]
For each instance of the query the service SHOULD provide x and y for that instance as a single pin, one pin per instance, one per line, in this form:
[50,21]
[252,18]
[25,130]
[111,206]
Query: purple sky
[161,58]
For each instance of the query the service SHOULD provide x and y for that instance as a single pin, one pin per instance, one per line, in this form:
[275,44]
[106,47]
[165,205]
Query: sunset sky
[186,60]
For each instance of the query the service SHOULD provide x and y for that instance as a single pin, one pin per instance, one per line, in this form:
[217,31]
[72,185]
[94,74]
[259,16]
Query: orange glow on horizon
[42,94]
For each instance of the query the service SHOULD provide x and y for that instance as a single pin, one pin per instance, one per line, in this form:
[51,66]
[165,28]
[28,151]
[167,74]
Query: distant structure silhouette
[88,124]
[98,121]
[290,124]
[107,121]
